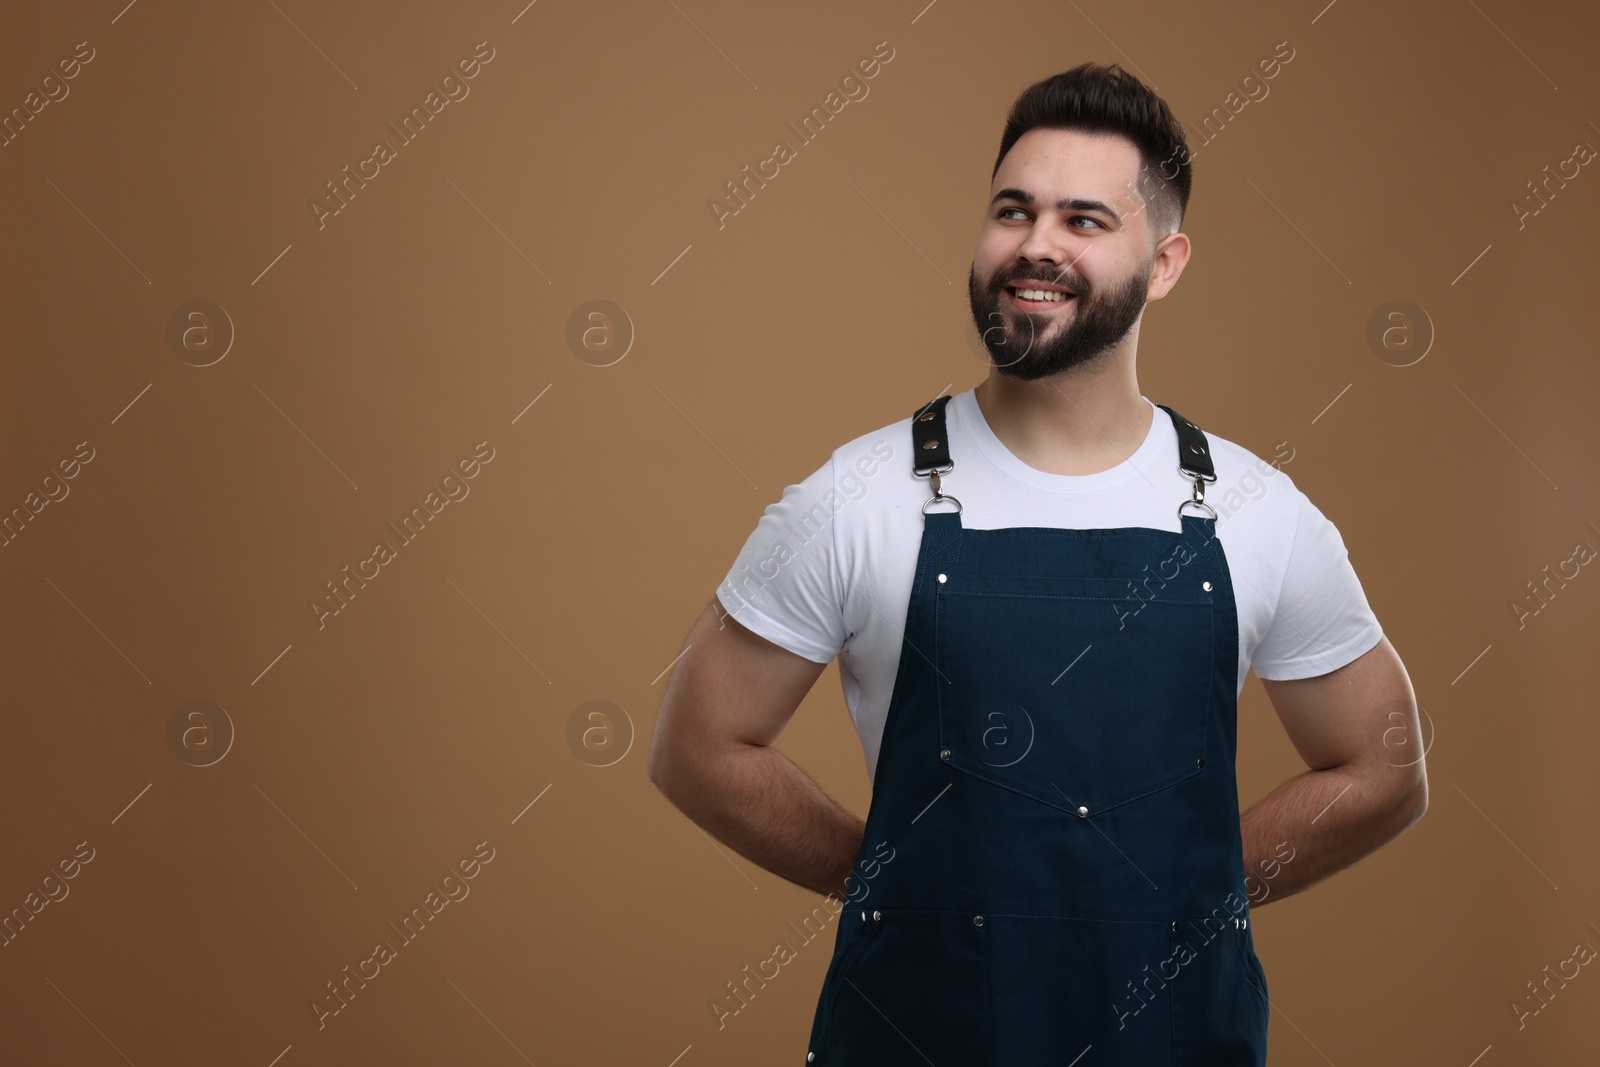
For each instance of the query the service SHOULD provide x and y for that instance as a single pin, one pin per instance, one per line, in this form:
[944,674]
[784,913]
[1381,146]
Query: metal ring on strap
[1197,504]
[959,508]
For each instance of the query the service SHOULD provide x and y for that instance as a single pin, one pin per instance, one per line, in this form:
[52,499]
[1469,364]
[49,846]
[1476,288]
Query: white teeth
[1041,294]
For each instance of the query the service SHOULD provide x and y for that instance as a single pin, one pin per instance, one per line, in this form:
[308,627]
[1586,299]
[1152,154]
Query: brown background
[370,355]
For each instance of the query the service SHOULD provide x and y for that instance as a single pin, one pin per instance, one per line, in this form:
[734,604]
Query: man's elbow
[1408,796]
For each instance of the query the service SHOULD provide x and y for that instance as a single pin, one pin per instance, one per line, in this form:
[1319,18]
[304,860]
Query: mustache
[1075,285]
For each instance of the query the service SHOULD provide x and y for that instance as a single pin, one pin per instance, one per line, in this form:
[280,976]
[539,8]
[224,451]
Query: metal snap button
[930,444]
[977,920]
[1201,762]
[926,415]
[1206,586]
[1244,924]
[810,1056]
[1083,812]
[1174,926]
[877,915]
[944,753]
[863,916]
[943,579]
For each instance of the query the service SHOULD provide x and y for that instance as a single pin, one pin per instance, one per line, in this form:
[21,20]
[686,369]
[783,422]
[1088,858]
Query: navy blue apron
[1052,871]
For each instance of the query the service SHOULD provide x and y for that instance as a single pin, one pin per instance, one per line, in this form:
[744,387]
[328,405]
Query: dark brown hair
[1107,99]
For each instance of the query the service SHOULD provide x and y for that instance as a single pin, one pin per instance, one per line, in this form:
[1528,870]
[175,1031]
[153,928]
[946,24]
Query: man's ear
[1171,255]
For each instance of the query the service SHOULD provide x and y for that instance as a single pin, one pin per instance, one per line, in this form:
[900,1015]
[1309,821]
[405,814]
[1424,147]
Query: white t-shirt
[828,569]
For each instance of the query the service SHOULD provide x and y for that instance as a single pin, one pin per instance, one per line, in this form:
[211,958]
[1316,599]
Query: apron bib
[1054,868]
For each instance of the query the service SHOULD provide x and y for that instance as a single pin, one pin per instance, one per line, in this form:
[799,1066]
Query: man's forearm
[1320,822]
[761,804]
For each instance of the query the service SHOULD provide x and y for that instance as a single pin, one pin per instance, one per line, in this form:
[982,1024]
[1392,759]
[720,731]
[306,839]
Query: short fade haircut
[1107,99]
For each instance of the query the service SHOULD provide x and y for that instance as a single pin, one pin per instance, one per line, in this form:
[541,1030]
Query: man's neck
[1079,424]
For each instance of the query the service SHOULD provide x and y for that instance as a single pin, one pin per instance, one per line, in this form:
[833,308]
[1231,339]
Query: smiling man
[1042,648]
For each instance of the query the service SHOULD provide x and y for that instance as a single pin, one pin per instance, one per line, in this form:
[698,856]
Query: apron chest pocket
[1081,693]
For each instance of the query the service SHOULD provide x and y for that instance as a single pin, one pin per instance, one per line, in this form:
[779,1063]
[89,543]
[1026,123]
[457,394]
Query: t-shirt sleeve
[1322,619]
[784,583]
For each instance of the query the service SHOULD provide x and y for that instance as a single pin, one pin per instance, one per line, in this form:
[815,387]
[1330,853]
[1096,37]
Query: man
[1042,649]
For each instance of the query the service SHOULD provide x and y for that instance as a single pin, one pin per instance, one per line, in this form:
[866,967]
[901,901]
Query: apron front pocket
[917,991]
[1081,693]
[1065,988]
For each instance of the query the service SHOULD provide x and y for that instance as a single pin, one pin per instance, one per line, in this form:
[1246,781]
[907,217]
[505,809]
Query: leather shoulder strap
[1194,454]
[930,448]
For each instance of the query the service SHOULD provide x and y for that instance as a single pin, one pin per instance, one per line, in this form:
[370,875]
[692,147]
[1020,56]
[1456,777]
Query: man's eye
[1085,218]
[1018,210]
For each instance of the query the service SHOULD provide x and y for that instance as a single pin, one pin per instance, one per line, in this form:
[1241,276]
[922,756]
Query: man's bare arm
[1358,732]
[725,703]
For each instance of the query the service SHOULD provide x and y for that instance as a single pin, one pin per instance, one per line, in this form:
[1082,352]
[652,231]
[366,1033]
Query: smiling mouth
[1037,299]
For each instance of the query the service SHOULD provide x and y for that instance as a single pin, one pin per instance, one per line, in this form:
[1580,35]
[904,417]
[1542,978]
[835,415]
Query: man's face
[1063,217]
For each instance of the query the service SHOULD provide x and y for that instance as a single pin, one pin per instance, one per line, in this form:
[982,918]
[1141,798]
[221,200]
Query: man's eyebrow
[1022,196]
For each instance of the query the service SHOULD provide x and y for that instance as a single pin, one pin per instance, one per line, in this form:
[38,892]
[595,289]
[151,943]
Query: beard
[1022,345]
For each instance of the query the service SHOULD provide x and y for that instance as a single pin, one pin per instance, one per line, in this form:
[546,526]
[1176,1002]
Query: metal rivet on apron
[863,916]
[944,753]
[943,579]
[977,920]
[931,443]
[1206,586]
[810,1056]
[926,415]
[1246,924]
[1201,762]
[1197,448]
[1174,926]
[1083,812]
